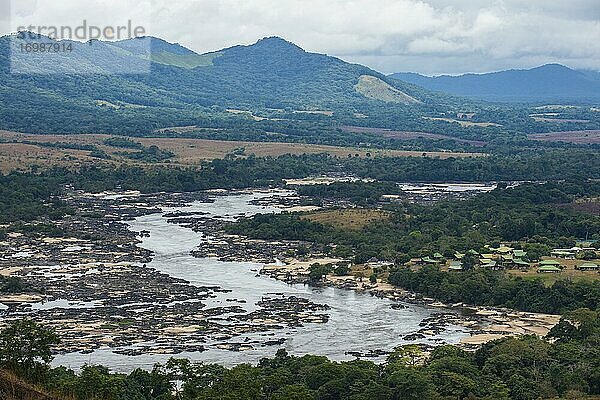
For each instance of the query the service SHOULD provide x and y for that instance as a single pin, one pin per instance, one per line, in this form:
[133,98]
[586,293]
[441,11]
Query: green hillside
[271,90]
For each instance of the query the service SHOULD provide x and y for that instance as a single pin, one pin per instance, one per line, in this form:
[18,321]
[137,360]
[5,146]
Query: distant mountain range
[547,83]
[272,88]
[157,80]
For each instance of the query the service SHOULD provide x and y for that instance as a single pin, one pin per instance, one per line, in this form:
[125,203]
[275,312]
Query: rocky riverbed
[96,289]
[149,276]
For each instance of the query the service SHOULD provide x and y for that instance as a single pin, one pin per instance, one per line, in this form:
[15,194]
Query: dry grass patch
[569,272]
[463,123]
[577,137]
[21,151]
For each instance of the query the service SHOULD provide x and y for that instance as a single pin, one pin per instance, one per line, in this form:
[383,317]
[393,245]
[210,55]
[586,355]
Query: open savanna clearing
[568,272]
[347,219]
[463,123]
[577,137]
[407,135]
[21,151]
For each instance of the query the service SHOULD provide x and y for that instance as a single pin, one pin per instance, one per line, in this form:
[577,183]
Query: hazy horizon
[430,37]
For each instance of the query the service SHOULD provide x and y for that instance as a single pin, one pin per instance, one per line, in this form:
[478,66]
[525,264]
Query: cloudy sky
[426,36]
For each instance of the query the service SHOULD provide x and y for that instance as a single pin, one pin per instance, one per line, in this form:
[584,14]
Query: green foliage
[11,284]
[523,368]
[529,213]
[25,349]
[318,272]
[495,288]
[150,154]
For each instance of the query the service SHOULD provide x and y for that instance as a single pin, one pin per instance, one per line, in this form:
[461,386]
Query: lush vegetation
[23,195]
[11,284]
[496,288]
[361,193]
[273,80]
[524,368]
[527,214]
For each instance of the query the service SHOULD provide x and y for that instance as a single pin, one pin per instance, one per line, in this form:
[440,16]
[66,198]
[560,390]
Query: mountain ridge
[548,82]
[157,77]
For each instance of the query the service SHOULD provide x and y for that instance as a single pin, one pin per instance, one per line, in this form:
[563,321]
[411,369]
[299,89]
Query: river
[358,322]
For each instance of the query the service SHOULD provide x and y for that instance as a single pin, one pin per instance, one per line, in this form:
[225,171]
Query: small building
[507,258]
[519,263]
[502,250]
[550,263]
[438,256]
[519,253]
[455,266]
[588,267]
[548,269]
[430,261]
[491,264]
[566,254]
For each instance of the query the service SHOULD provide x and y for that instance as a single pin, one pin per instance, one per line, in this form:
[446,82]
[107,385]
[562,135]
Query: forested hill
[547,83]
[169,84]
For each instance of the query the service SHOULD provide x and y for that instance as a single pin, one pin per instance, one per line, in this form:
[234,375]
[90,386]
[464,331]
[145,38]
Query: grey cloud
[429,36]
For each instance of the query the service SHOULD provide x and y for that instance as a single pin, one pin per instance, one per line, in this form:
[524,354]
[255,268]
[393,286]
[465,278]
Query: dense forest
[564,365]
[284,93]
[526,214]
[24,196]
[496,288]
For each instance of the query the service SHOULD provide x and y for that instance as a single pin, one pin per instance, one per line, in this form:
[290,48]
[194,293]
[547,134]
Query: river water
[358,322]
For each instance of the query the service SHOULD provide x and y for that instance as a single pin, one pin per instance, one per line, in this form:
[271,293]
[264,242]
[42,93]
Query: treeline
[25,197]
[361,193]
[496,288]
[525,368]
[530,214]
[22,195]
[520,166]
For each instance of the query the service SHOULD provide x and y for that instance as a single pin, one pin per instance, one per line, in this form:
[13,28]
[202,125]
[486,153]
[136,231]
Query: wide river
[358,322]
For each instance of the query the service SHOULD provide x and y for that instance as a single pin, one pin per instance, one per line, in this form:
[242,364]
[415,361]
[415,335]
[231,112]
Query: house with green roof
[519,253]
[431,261]
[503,250]
[566,254]
[491,264]
[548,269]
[588,267]
[455,266]
[550,263]
[519,263]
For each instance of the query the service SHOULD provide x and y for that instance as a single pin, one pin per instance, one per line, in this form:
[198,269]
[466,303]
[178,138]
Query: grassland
[576,137]
[14,388]
[374,88]
[22,151]
[569,272]
[407,135]
[463,123]
[347,219]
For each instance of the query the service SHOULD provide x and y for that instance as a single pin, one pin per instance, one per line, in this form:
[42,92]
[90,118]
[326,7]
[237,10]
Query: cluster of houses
[505,257]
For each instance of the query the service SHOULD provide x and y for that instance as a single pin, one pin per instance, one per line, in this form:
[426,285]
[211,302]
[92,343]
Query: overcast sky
[428,36]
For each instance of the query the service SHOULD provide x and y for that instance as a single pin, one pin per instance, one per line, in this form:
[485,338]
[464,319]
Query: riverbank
[486,323]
